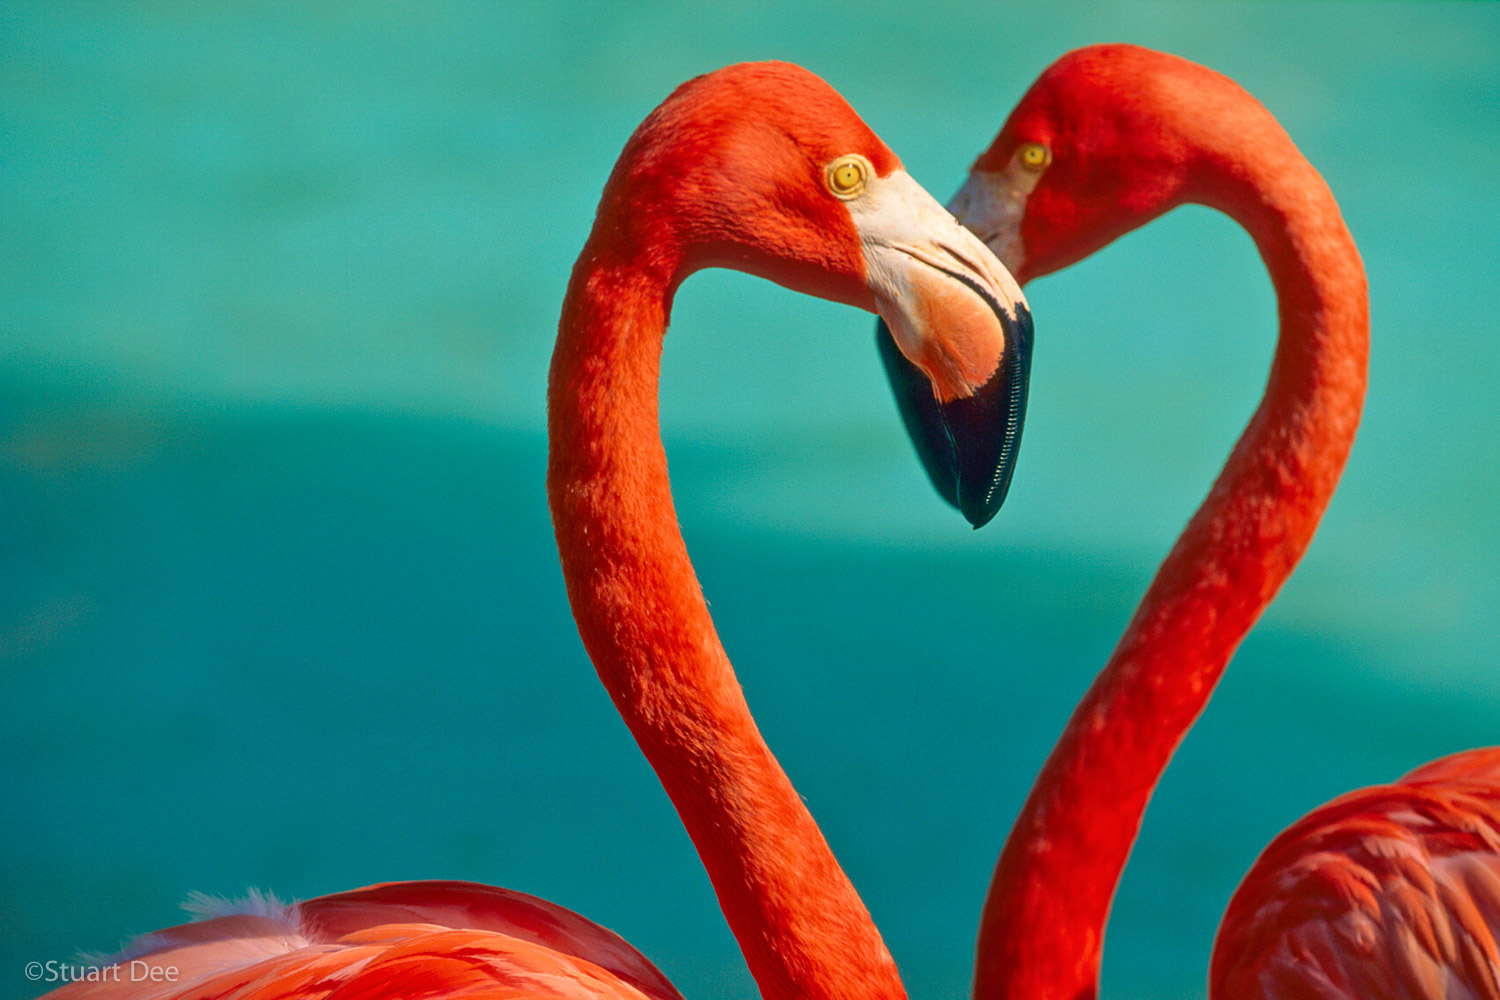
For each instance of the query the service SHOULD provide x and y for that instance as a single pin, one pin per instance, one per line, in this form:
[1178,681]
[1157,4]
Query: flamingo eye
[846,177]
[1034,156]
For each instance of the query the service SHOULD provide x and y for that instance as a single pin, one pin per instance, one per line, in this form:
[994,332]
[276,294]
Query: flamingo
[761,167]
[1390,892]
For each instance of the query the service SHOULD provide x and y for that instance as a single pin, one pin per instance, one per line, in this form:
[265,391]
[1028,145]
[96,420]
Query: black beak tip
[967,446]
[981,514]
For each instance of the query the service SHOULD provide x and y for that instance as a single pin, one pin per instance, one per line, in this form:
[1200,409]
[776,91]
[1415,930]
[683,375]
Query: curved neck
[804,931]
[1042,932]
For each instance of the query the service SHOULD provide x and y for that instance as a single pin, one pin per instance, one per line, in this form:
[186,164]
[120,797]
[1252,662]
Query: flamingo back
[399,939]
[1387,893]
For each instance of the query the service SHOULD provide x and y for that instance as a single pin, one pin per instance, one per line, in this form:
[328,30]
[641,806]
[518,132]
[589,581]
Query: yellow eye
[848,175]
[1034,156]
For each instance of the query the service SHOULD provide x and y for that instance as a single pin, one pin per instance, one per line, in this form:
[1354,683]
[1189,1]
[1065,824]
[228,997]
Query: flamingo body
[765,168]
[398,940]
[1390,893]
[1386,892]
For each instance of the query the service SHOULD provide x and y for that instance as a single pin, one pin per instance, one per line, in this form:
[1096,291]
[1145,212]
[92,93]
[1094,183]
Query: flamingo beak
[955,337]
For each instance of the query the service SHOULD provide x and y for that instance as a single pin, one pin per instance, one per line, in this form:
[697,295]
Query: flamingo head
[764,168]
[1097,147]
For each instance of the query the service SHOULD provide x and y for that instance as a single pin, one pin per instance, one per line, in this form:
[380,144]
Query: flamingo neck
[1042,932]
[804,932]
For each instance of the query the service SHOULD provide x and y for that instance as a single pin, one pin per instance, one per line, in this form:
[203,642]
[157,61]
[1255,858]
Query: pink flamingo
[761,167]
[1390,892]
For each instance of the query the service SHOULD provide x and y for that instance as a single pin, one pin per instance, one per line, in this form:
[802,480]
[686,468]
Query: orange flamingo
[761,167]
[1390,892]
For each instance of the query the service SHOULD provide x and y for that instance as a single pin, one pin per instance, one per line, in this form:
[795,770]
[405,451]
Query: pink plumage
[400,939]
[1388,892]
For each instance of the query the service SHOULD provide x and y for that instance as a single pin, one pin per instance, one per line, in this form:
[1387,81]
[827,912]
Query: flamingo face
[763,168]
[1080,161]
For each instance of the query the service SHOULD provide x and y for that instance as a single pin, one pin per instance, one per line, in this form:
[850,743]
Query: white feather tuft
[202,906]
[253,904]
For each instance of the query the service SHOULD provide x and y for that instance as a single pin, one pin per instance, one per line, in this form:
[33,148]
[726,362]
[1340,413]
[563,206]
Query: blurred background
[279,603]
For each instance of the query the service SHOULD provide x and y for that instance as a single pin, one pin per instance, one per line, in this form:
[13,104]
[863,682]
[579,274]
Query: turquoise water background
[279,604]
